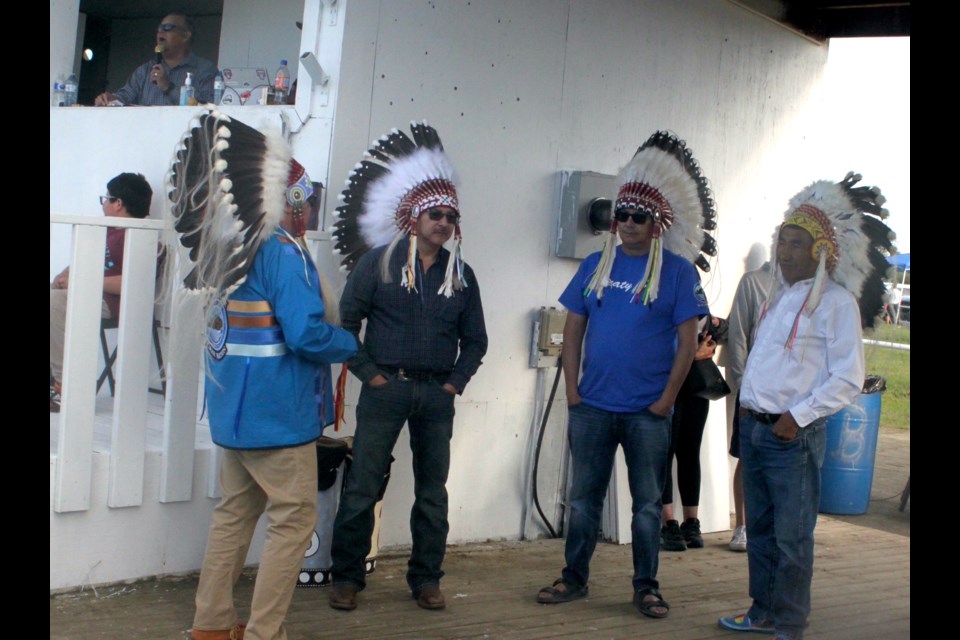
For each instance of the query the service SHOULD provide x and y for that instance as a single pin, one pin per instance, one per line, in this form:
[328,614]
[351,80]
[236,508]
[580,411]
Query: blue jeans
[594,435]
[381,413]
[781,489]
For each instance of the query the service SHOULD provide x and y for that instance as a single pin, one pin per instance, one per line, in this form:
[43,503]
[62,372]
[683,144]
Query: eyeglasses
[436,214]
[169,26]
[112,199]
[638,218]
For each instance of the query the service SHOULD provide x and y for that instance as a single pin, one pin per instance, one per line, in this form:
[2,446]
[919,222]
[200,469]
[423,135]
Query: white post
[84,303]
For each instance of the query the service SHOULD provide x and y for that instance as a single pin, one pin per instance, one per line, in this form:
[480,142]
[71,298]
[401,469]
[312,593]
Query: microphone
[159,57]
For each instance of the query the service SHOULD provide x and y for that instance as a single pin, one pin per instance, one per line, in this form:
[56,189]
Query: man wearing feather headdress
[238,200]
[425,338]
[633,310]
[805,365]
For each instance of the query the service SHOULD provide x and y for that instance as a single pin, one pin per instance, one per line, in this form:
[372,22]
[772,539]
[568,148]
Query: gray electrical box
[547,337]
[576,236]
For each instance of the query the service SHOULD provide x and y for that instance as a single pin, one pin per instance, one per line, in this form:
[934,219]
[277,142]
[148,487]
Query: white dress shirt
[823,372]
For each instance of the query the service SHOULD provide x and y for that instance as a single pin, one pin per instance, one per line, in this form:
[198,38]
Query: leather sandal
[646,607]
[565,593]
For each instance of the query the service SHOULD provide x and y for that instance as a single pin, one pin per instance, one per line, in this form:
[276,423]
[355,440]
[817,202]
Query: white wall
[63,36]
[519,91]
[253,36]
[105,545]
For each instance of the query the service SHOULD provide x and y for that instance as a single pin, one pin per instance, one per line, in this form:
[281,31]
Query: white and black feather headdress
[228,185]
[384,195]
[850,240]
[663,180]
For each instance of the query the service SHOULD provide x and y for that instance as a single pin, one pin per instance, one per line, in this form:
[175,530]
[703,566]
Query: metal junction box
[576,237]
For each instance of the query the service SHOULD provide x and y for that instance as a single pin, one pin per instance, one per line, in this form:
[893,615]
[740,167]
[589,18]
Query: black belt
[415,374]
[766,418]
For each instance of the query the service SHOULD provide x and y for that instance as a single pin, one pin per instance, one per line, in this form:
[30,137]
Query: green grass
[889,333]
[894,365]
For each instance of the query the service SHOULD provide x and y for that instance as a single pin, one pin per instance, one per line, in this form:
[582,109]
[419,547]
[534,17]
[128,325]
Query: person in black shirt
[425,338]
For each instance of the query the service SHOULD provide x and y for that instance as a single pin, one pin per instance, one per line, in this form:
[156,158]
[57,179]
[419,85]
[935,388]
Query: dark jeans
[594,435]
[381,414]
[781,490]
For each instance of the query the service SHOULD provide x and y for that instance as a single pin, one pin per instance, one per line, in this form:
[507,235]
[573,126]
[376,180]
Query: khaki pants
[58,329]
[282,483]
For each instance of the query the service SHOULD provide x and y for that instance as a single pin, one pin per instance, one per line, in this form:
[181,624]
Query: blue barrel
[847,472]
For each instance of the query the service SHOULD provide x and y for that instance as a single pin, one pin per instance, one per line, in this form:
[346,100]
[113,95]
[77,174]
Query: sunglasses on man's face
[104,199]
[168,26]
[638,218]
[436,214]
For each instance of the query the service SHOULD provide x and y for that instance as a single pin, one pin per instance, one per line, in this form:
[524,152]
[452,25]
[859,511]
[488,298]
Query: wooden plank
[132,369]
[180,407]
[84,302]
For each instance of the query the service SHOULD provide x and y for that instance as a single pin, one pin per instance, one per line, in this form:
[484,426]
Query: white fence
[73,467]
[132,369]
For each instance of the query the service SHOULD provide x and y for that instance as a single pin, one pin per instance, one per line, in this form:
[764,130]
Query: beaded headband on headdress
[385,194]
[817,224]
[299,191]
[850,240]
[663,180]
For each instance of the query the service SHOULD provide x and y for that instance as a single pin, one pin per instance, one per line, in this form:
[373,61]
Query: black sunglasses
[638,218]
[110,198]
[436,214]
[168,26]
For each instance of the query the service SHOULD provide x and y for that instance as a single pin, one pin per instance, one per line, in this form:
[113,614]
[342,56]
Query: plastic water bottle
[59,92]
[281,84]
[186,91]
[70,91]
[217,88]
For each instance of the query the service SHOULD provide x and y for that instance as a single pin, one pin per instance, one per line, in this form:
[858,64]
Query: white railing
[133,367]
[74,461]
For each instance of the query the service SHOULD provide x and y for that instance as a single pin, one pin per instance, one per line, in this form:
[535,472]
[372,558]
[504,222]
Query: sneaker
[55,397]
[739,540]
[691,533]
[671,538]
[742,622]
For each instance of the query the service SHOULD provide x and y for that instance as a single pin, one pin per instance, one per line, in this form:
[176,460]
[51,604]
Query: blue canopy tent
[902,262]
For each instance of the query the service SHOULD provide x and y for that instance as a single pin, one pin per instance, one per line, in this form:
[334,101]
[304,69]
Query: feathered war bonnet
[850,241]
[386,192]
[664,181]
[229,185]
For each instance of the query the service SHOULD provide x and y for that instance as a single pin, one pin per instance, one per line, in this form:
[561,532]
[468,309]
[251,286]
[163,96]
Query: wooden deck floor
[861,588]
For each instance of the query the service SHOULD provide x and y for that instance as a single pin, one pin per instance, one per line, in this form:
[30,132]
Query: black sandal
[647,607]
[569,592]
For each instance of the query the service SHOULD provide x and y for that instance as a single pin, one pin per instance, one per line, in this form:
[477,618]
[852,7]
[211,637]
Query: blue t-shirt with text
[629,347]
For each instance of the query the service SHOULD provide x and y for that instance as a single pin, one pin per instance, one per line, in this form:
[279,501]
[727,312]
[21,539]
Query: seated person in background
[157,82]
[128,196]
